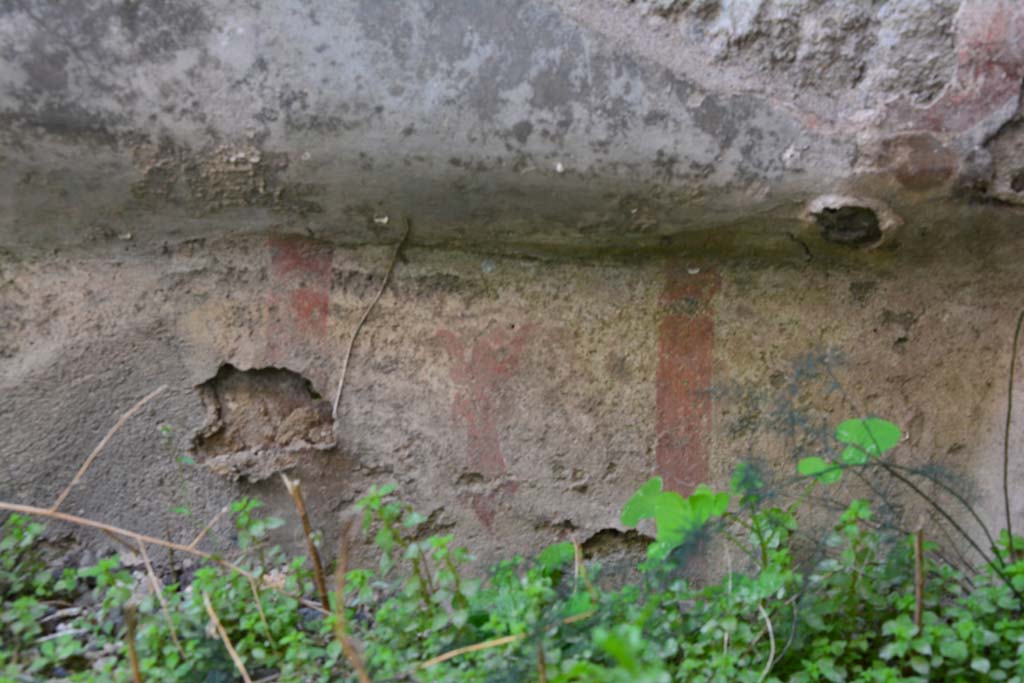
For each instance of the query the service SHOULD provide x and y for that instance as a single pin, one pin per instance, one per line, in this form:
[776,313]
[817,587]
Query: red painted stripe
[686,338]
[479,368]
[299,297]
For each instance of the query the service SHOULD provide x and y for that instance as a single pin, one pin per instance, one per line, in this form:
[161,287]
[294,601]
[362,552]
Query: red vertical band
[300,285]
[686,338]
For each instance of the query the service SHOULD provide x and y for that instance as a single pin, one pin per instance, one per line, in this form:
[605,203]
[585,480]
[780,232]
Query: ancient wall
[646,237]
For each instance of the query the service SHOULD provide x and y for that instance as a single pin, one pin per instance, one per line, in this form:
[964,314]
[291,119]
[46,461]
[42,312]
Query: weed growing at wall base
[866,604]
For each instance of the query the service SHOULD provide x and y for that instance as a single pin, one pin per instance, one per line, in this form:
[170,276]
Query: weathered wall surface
[519,401]
[648,237]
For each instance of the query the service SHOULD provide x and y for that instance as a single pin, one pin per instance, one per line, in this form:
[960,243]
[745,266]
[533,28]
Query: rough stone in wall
[260,422]
[900,47]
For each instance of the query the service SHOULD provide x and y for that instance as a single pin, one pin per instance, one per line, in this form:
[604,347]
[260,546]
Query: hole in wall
[1017,181]
[260,422]
[853,226]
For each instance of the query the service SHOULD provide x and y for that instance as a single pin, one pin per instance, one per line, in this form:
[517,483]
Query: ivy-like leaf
[825,472]
[852,455]
[872,435]
[642,504]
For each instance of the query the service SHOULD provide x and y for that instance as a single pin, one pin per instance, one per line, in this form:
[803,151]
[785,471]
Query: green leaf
[825,472]
[981,665]
[578,603]
[642,503]
[186,460]
[872,435]
[852,455]
[413,519]
[920,665]
[554,556]
[953,649]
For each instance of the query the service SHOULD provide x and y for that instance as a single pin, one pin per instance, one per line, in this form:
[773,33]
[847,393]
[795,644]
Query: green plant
[790,605]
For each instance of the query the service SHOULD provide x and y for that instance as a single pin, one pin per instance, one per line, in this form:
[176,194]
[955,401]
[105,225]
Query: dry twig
[209,525]
[1006,434]
[295,491]
[366,314]
[103,443]
[130,622]
[226,640]
[143,538]
[259,607]
[348,648]
[158,589]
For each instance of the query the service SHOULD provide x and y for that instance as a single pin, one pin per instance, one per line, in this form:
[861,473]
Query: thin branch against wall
[143,538]
[222,632]
[103,443]
[366,314]
[1006,433]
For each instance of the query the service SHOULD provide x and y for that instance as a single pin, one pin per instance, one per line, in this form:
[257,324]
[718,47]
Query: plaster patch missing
[852,221]
[220,177]
[260,422]
[1007,150]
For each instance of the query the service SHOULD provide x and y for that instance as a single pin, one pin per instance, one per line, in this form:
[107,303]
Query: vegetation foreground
[867,603]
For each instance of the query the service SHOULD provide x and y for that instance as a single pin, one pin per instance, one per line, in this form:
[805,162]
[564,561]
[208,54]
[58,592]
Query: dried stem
[175,574]
[486,645]
[103,443]
[158,589]
[1006,434]
[348,647]
[496,642]
[143,538]
[130,622]
[918,577]
[224,637]
[259,607]
[209,525]
[542,669]
[366,314]
[295,491]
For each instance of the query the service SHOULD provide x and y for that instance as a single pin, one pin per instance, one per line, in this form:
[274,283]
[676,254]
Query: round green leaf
[873,435]
[825,472]
[853,455]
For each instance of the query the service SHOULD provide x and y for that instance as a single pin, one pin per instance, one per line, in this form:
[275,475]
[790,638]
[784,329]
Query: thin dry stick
[130,622]
[209,525]
[918,577]
[175,575]
[137,537]
[486,645]
[102,444]
[224,637]
[1006,434]
[348,648]
[158,588]
[294,487]
[542,669]
[496,642]
[771,643]
[366,314]
[259,607]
